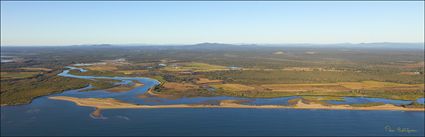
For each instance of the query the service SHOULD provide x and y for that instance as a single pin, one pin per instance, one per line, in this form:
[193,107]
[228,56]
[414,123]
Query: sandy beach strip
[110,103]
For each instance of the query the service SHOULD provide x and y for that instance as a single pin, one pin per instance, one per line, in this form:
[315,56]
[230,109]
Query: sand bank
[109,103]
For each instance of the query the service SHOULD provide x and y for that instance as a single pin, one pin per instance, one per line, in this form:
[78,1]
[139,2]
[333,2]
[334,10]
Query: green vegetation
[414,105]
[232,87]
[368,104]
[17,75]
[159,78]
[22,91]
[186,93]
[280,76]
[331,72]
[97,73]
[376,94]
[99,84]
[323,98]
[194,66]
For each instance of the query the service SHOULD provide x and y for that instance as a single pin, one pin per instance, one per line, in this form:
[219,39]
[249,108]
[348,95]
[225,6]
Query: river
[53,117]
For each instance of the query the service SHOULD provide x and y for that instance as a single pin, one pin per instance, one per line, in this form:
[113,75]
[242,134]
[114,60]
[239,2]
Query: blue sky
[65,23]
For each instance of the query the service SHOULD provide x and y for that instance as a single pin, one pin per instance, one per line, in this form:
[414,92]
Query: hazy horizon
[242,44]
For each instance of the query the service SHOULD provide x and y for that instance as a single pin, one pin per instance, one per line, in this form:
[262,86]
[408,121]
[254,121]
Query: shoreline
[125,88]
[110,103]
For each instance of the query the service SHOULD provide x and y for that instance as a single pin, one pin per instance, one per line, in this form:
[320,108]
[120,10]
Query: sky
[72,22]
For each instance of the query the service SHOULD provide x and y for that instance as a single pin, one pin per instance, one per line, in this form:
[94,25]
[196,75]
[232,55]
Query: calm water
[52,117]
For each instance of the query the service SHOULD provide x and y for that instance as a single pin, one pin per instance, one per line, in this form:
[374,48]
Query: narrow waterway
[53,117]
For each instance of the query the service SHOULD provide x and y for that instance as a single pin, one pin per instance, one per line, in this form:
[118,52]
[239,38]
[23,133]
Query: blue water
[421,101]
[363,100]
[53,117]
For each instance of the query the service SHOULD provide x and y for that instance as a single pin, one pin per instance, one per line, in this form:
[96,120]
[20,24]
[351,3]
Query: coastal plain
[316,74]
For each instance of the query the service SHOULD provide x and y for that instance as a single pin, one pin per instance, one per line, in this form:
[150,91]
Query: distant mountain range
[347,45]
[212,46]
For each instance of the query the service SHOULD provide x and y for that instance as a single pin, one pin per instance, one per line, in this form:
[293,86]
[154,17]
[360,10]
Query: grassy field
[323,98]
[328,87]
[129,72]
[97,73]
[179,86]
[294,77]
[345,86]
[99,84]
[125,87]
[35,69]
[17,75]
[378,94]
[195,67]
[108,67]
[176,90]
[206,81]
[233,87]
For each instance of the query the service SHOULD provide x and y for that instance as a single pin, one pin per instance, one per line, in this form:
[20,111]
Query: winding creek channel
[45,116]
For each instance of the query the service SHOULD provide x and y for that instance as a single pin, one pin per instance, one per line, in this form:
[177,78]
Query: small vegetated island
[314,76]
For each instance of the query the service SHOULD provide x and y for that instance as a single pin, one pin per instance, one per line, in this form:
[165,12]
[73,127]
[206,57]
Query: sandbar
[110,103]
